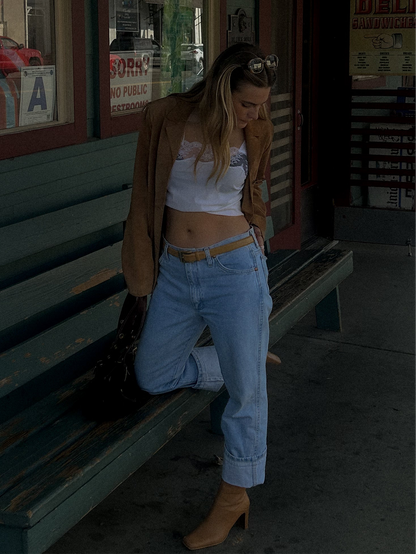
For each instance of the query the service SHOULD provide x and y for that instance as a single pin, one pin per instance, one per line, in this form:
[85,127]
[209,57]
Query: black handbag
[113,392]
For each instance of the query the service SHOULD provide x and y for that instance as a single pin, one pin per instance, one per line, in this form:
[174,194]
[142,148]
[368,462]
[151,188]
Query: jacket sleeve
[259,208]
[137,250]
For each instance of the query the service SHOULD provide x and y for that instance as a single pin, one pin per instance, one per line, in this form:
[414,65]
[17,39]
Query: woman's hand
[259,237]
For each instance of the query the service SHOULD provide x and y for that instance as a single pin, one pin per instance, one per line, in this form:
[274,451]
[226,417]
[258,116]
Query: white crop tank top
[190,192]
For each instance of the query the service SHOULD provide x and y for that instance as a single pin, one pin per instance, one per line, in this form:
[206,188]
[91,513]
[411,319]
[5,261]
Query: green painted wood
[60,254]
[50,289]
[16,172]
[61,176]
[142,433]
[12,541]
[58,285]
[302,293]
[67,514]
[61,193]
[43,444]
[28,360]
[49,230]
[284,264]
[328,312]
[43,414]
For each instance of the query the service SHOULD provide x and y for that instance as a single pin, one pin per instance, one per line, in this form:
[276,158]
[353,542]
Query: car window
[7,43]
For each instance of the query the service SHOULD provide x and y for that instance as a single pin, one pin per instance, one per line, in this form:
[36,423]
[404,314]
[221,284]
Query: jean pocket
[237,262]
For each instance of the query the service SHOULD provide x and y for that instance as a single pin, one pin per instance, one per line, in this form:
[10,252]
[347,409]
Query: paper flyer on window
[38,94]
[382,37]
[127,18]
[130,80]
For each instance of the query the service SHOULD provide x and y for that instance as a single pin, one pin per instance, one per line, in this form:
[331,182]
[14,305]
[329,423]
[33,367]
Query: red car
[13,56]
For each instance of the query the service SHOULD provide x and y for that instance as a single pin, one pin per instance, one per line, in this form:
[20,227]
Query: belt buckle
[182,255]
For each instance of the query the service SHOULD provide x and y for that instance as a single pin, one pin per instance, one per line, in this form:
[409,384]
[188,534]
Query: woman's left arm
[259,209]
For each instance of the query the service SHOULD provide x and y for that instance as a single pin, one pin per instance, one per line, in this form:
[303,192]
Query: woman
[194,239]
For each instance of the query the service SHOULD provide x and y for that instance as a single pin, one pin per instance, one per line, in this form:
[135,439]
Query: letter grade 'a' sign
[37,95]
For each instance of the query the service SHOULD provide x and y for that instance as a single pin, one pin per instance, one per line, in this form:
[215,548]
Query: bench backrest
[61,288]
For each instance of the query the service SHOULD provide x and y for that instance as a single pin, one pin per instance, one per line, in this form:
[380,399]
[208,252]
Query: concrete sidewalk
[340,473]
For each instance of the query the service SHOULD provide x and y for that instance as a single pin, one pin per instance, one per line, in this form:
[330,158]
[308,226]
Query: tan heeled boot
[273,359]
[230,505]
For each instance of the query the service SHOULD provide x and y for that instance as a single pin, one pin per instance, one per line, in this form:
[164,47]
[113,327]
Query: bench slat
[27,174]
[23,363]
[300,295]
[287,263]
[71,510]
[33,426]
[155,423]
[49,230]
[32,420]
[38,449]
[61,193]
[58,285]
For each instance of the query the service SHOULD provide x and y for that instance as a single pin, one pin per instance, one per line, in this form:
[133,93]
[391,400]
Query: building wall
[45,182]
[14,18]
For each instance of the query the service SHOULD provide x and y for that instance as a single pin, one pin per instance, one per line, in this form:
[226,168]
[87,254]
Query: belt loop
[253,234]
[166,249]
[208,256]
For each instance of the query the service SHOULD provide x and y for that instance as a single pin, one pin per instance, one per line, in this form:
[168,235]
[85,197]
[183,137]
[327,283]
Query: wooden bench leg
[217,407]
[328,312]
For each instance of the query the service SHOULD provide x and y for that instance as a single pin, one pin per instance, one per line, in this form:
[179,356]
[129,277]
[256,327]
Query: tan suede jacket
[159,141]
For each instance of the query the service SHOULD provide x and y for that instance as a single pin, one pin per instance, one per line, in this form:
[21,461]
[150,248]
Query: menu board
[382,37]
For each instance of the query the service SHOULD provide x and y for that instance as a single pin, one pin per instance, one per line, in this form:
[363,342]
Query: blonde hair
[214,97]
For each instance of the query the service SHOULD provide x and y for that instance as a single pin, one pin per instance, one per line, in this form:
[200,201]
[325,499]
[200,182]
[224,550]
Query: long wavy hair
[213,95]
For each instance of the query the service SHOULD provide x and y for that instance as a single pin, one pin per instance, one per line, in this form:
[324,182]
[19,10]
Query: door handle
[300,120]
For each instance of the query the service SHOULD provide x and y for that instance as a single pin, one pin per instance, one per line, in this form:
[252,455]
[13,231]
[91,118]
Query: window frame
[21,141]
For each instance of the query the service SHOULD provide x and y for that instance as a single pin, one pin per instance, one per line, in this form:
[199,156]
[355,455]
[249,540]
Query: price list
[382,63]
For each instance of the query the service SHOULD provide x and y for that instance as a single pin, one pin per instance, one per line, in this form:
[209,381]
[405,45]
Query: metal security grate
[383,138]
[281,161]
[382,172]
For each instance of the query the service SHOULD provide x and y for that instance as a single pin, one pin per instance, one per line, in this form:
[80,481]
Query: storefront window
[156,48]
[35,67]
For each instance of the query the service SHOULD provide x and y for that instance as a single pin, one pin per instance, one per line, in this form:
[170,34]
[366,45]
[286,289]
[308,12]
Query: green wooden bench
[61,289]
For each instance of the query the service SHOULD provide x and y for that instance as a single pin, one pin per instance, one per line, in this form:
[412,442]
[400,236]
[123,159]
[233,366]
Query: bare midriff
[199,229]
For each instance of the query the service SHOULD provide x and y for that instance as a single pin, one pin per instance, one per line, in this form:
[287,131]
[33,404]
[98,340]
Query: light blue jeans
[230,294]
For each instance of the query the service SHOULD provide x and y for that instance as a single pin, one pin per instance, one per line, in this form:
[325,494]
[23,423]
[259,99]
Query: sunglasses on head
[256,65]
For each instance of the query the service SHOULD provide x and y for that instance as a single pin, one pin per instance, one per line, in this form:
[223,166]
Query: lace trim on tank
[190,150]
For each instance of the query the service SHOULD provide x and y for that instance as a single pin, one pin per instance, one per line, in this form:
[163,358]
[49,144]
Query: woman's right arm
[137,251]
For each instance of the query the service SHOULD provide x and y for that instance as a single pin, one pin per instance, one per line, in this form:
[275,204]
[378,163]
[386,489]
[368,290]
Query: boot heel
[242,521]
[273,359]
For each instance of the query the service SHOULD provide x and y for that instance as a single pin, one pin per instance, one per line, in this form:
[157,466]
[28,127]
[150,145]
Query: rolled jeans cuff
[244,472]
[209,372]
